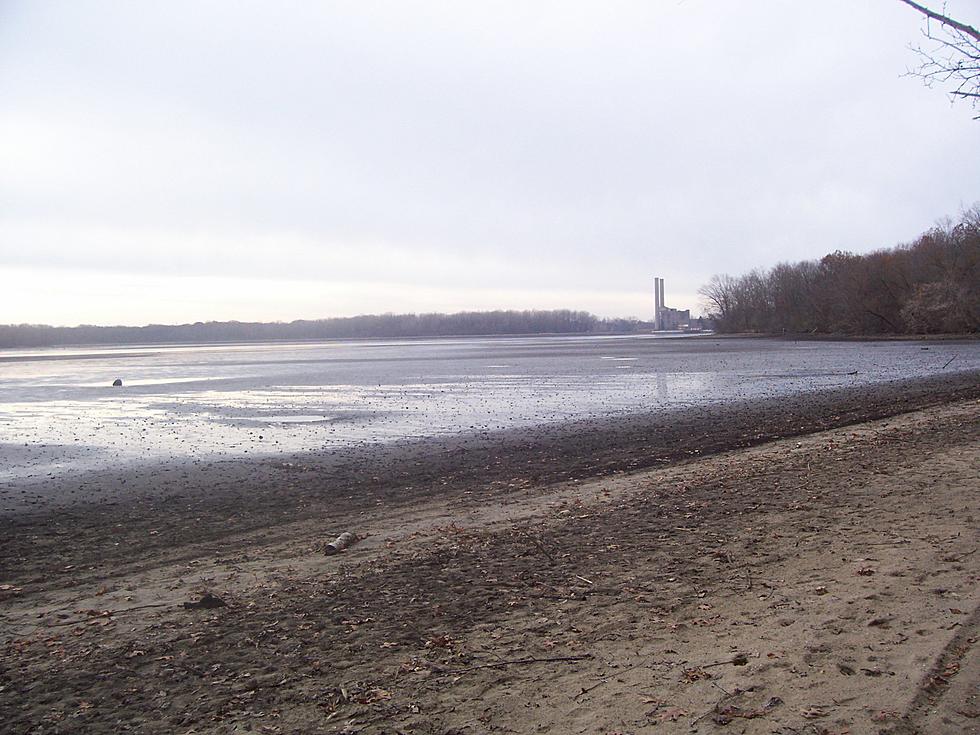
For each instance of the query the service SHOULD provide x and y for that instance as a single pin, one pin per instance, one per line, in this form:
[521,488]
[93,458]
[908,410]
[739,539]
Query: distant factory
[666,319]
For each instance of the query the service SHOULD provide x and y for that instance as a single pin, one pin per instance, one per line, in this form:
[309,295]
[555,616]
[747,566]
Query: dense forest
[383,326]
[929,286]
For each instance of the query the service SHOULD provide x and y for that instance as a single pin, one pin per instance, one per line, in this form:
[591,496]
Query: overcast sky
[182,161]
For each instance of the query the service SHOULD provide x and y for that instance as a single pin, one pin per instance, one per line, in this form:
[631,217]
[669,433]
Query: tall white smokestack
[656,303]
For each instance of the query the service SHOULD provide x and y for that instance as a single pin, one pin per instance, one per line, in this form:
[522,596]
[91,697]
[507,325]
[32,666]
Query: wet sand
[575,578]
[121,516]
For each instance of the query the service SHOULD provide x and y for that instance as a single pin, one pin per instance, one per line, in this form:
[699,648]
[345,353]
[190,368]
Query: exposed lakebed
[60,412]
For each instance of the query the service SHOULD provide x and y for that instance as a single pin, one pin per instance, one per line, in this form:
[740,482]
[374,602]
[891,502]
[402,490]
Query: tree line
[373,326]
[928,286]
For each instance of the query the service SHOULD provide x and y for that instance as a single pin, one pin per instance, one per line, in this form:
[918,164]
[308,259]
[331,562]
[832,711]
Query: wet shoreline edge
[143,511]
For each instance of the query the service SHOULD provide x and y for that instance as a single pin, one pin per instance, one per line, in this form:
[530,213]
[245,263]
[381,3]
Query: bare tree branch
[955,58]
[945,20]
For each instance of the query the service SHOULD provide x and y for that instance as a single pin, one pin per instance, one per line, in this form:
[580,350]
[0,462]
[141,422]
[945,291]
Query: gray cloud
[567,147]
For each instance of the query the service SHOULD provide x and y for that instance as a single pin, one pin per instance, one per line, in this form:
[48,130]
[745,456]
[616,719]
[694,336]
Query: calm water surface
[58,411]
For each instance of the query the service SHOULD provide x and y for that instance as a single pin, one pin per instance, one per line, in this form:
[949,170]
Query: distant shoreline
[800,337]
[322,340]
[364,326]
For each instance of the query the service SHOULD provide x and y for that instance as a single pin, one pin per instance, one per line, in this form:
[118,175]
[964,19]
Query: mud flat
[700,574]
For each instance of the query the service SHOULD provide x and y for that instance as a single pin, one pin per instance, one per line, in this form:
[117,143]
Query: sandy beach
[802,566]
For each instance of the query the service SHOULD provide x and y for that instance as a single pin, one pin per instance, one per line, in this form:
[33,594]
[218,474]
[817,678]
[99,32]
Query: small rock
[207,602]
[117,383]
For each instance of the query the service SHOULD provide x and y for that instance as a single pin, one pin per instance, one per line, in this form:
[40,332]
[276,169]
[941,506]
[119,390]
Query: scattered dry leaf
[673,714]
[695,674]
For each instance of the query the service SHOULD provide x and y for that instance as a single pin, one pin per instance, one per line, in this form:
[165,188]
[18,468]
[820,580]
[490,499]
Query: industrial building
[666,319]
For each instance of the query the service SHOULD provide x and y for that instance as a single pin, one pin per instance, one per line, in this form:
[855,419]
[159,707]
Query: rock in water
[117,383]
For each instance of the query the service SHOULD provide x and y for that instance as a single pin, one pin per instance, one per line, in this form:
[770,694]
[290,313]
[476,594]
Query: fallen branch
[519,662]
[899,542]
[961,557]
[586,690]
[646,663]
[541,547]
[739,660]
[104,614]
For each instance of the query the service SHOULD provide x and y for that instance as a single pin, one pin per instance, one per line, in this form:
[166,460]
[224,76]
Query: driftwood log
[340,543]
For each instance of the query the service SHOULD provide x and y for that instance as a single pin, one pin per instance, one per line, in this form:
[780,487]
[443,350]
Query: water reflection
[209,401]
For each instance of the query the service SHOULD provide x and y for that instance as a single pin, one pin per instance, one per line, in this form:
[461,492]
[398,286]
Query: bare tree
[927,286]
[720,296]
[953,55]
